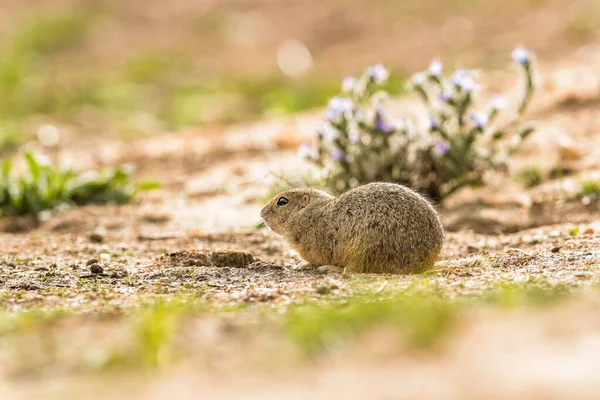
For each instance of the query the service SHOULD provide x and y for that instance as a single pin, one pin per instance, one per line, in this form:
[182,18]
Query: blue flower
[381,122]
[337,154]
[331,134]
[359,116]
[304,150]
[441,148]
[338,106]
[444,97]
[520,55]
[436,68]
[418,79]
[464,80]
[480,119]
[497,102]
[353,133]
[378,73]
[432,123]
[349,84]
[342,104]
[400,125]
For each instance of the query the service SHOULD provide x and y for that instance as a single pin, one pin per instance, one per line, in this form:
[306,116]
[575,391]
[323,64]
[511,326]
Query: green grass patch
[155,326]
[533,292]
[157,334]
[420,317]
[529,176]
[589,191]
[26,321]
[45,188]
[45,33]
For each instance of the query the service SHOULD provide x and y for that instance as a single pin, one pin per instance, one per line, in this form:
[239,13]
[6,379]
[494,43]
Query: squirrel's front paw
[324,269]
[305,267]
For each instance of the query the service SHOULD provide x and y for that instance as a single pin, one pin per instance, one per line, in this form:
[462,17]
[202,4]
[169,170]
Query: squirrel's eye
[282,201]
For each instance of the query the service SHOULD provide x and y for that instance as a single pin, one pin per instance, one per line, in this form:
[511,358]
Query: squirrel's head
[279,209]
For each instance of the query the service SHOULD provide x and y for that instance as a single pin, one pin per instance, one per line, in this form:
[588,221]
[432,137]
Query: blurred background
[210,101]
[131,68]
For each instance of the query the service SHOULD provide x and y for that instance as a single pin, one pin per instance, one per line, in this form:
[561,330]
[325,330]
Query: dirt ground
[68,332]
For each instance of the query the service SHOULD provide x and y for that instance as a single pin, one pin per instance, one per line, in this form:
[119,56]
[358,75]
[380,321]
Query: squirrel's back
[385,227]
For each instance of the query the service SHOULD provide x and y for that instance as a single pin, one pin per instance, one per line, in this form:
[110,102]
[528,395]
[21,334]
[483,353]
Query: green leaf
[148,185]
[528,130]
[6,168]
[34,166]
[573,232]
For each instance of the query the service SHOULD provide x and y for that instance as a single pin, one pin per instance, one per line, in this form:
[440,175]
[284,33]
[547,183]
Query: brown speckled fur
[375,228]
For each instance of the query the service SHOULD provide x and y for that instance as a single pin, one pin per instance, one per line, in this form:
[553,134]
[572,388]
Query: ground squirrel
[375,228]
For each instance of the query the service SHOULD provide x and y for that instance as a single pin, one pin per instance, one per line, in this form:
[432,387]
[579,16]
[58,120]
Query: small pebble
[589,231]
[472,249]
[323,290]
[41,269]
[555,249]
[92,261]
[96,269]
[97,236]
[118,274]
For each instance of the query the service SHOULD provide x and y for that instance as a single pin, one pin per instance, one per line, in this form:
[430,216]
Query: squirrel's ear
[305,200]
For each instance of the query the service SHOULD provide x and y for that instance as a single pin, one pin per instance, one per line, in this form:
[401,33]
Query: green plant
[529,176]
[155,327]
[360,144]
[422,319]
[44,188]
[421,315]
[537,292]
[589,191]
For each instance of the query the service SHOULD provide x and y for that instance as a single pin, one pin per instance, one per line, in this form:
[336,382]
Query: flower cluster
[359,142]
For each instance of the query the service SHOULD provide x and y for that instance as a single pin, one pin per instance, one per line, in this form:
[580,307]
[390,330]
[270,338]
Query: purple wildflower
[480,119]
[359,116]
[378,73]
[353,133]
[497,102]
[432,123]
[520,55]
[435,68]
[321,131]
[381,122]
[342,104]
[444,97]
[337,154]
[331,133]
[399,125]
[441,148]
[349,84]
[464,80]
[338,106]
[304,150]
[418,79]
